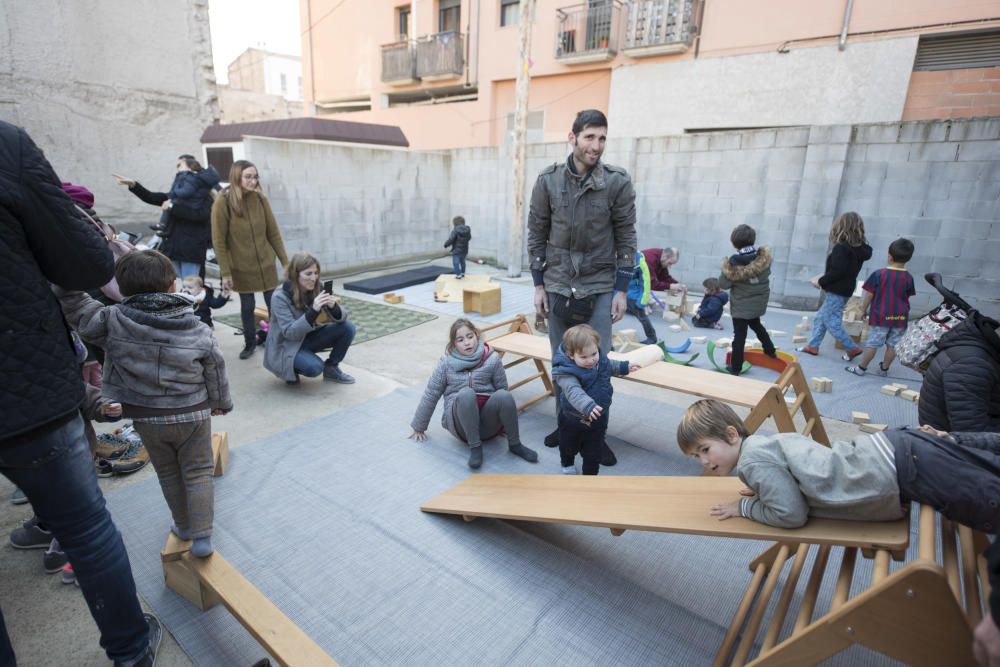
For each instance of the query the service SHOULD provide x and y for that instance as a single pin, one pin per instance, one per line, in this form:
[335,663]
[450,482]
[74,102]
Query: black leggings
[247,304]
[740,340]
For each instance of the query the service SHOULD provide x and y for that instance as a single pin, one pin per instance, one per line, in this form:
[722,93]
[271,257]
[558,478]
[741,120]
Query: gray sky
[240,24]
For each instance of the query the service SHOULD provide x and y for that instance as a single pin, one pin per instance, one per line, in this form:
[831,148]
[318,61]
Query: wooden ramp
[659,504]
[765,399]
[205,582]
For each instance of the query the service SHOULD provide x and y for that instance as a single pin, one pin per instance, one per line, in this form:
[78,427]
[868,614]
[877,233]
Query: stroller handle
[949,297]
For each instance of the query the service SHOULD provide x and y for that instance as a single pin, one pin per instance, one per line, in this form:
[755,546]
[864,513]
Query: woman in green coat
[247,241]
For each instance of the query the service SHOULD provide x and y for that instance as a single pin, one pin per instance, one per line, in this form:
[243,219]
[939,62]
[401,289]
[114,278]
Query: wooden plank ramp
[658,504]
[206,582]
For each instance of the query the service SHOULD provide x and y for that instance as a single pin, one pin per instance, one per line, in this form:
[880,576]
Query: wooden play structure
[483,299]
[765,399]
[921,614]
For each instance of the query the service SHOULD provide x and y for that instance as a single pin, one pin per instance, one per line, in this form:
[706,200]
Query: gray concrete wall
[101,91]
[936,182]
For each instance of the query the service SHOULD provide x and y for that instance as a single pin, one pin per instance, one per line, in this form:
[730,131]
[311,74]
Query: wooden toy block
[776,333]
[909,395]
[698,339]
[799,339]
[675,299]
[220,452]
[873,428]
[890,390]
[392,298]
[822,385]
[484,299]
[675,327]
[671,316]
[860,417]
[901,386]
[827,385]
[723,343]
[260,313]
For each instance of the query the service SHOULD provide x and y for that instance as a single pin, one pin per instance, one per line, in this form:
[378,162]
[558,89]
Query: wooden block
[185,582]
[860,417]
[174,548]
[675,299]
[827,385]
[698,339]
[816,384]
[671,316]
[260,313]
[799,339]
[909,395]
[890,390]
[675,327]
[220,452]
[392,298]
[484,299]
[776,333]
[901,386]
[873,428]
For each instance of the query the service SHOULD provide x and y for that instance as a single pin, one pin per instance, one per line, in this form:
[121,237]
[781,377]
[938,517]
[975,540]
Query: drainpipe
[842,44]
[311,110]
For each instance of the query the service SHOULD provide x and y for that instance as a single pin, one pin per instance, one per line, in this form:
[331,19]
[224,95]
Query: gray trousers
[182,457]
[600,319]
[473,425]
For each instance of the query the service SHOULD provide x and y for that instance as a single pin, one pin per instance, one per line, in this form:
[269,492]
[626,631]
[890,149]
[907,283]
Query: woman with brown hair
[298,331]
[247,241]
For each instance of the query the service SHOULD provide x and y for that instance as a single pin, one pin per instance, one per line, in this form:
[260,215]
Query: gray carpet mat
[324,520]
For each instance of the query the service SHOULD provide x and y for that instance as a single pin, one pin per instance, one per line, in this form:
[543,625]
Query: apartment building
[445,70]
[266,72]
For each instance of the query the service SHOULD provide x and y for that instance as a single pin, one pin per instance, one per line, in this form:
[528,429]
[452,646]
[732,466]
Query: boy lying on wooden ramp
[873,477]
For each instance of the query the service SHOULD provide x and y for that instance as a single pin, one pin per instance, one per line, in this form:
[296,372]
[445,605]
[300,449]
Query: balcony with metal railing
[589,32]
[440,56]
[657,27]
[399,62]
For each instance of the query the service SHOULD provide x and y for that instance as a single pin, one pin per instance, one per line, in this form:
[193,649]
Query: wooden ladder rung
[739,617]
[525,381]
[750,632]
[781,609]
[973,604]
[531,401]
[812,589]
[797,405]
[844,577]
[810,425]
[516,362]
[928,534]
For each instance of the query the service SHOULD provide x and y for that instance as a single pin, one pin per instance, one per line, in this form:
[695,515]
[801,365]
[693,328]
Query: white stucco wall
[866,83]
[274,67]
[116,85]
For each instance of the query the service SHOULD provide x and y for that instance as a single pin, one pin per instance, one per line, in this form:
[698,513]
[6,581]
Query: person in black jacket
[459,242]
[188,234]
[843,264]
[986,645]
[961,390]
[43,449]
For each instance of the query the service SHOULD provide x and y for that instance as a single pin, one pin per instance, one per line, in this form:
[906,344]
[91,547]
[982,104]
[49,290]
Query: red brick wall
[953,93]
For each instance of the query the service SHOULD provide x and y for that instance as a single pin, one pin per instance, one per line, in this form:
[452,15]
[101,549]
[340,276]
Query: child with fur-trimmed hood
[747,276]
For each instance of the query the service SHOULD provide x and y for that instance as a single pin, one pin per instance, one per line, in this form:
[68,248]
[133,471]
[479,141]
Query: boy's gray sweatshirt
[795,477]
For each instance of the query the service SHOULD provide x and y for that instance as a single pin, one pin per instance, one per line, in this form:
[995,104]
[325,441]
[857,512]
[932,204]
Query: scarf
[460,362]
[158,302]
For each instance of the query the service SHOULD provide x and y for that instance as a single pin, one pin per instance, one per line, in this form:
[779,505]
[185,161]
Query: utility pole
[516,235]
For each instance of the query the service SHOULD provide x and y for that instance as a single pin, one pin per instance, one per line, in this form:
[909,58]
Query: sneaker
[18,497]
[69,576]
[808,349]
[857,370]
[883,372]
[155,635]
[569,470]
[133,460]
[103,468]
[110,446]
[30,536]
[248,351]
[333,372]
[552,439]
[608,457]
[847,356]
[475,457]
[54,558]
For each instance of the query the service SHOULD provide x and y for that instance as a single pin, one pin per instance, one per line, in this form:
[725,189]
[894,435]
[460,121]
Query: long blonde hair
[300,262]
[850,228]
[235,192]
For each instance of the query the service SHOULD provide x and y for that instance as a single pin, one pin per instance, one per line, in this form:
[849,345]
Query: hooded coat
[459,240]
[961,390]
[749,285]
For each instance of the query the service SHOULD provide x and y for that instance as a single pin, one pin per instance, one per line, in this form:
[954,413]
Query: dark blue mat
[394,281]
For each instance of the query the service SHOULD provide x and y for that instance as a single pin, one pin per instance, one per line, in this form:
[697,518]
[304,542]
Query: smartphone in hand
[328,286]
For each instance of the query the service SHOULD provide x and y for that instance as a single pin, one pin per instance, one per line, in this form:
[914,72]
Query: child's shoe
[202,547]
[54,558]
[569,470]
[552,439]
[31,536]
[717,325]
[69,576]
[18,497]
[883,372]
[857,370]
[529,455]
[847,356]
[475,457]
[808,349]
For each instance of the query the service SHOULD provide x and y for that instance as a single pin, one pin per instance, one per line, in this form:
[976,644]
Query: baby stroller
[919,344]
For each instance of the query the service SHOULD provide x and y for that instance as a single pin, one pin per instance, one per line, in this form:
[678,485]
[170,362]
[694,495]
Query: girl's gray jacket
[486,378]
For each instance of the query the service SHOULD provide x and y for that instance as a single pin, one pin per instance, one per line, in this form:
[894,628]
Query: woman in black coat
[961,390]
[188,233]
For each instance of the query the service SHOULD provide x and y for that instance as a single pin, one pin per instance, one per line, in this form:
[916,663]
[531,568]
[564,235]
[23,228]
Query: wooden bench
[206,582]
[922,614]
[765,399]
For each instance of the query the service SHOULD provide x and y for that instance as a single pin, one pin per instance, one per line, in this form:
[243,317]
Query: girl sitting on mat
[477,405]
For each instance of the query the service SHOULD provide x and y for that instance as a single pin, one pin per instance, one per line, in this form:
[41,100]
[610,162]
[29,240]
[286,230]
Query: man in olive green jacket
[581,240]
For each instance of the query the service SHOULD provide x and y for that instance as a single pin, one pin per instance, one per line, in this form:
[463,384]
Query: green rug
[372,320]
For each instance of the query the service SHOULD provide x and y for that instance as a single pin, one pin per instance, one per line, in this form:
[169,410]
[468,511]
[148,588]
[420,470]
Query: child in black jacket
[204,298]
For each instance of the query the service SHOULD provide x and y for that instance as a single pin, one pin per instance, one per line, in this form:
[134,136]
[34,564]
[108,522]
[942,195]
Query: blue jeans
[458,263]
[56,472]
[185,269]
[336,336]
[830,318]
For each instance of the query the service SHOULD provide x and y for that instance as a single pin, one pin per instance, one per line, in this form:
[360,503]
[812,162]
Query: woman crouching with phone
[305,319]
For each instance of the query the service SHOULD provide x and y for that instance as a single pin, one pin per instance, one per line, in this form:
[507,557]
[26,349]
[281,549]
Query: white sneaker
[569,470]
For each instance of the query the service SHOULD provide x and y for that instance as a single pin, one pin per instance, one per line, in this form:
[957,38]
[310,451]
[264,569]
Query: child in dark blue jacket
[710,311]
[584,376]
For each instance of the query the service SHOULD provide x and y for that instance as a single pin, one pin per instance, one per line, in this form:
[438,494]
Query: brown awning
[321,129]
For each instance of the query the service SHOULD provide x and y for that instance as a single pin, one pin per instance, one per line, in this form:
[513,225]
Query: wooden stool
[484,299]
